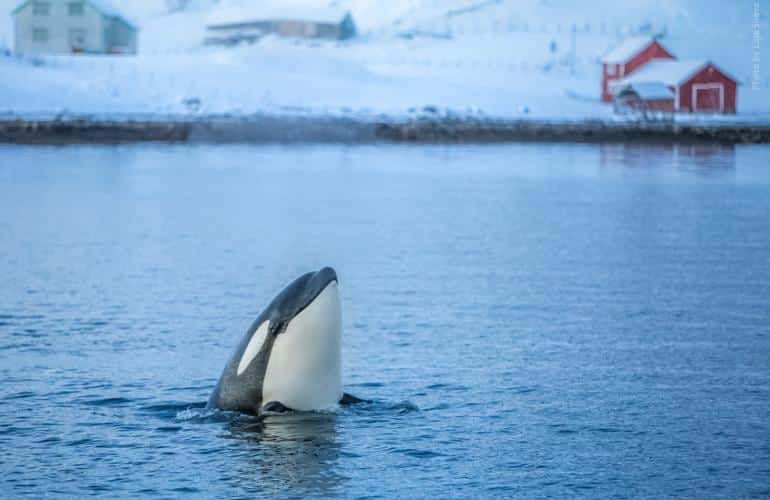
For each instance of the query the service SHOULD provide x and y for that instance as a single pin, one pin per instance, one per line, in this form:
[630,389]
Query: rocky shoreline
[266,129]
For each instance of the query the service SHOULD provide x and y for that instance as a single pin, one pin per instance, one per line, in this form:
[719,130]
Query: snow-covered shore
[500,59]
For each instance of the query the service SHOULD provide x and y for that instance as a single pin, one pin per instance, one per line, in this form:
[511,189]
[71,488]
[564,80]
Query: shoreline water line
[267,128]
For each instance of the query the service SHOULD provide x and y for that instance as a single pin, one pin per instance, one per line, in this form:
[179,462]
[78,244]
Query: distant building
[643,97]
[316,23]
[696,86]
[72,26]
[645,76]
[627,57]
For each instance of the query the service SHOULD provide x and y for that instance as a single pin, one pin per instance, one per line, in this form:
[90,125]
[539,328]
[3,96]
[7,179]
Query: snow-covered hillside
[501,57]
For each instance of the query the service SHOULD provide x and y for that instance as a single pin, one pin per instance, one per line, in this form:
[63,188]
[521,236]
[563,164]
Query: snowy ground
[500,58]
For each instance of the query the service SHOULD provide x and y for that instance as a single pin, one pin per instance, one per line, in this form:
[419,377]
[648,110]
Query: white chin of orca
[304,371]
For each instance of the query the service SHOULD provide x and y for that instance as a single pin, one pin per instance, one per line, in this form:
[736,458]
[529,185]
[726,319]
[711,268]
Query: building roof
[106,7]
[646,90]
[274,11]
[628,49]
[670,72]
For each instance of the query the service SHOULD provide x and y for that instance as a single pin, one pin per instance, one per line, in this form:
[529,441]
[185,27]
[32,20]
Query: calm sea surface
[530,320]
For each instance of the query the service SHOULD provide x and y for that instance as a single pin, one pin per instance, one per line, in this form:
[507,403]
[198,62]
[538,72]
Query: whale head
[315,290]
[303,371]
[291,355]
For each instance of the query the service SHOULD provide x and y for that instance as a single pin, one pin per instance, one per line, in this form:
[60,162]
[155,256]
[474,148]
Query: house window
[75,8]
[41,8]
[39,35]
[611,69]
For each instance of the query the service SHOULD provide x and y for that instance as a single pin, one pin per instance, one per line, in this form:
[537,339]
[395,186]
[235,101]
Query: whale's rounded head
[290,356]
[300,293]
[303,371]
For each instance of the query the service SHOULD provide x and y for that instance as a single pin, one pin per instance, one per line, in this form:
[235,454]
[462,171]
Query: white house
[72,26]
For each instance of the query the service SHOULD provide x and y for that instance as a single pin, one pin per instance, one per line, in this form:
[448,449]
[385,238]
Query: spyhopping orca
[289,358]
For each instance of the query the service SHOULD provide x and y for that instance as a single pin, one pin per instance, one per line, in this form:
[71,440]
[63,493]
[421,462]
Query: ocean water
[529,320]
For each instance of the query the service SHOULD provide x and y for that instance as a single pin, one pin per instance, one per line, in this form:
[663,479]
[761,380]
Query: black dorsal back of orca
[349,399]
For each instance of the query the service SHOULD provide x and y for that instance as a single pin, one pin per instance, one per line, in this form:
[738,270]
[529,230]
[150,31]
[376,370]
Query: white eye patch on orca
[255,344]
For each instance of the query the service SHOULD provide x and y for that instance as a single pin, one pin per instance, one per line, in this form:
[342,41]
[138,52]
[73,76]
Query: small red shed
[629,56]
[697,86]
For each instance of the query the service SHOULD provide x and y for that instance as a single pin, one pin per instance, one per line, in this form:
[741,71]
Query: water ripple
[528,321]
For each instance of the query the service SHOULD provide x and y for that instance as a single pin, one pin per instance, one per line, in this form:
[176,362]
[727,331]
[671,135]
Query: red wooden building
[628,57]
[697,86]
[640,70]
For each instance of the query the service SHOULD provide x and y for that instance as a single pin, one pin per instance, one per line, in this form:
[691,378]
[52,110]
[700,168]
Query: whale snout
[326,275]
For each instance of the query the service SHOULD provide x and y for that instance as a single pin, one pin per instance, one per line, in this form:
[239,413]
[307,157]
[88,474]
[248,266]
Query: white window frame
[36,39]
[41,8]
[676,99]
[707,86]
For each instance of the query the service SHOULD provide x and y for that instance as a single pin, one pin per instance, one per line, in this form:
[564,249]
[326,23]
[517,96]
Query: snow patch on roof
[107,8]
[667,71]
[646,90]
[628,49]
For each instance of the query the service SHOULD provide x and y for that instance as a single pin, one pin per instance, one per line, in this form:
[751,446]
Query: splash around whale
[290,357]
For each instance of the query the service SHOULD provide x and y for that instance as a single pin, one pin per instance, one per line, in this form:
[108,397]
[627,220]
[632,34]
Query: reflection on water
[294,451]
[699,158]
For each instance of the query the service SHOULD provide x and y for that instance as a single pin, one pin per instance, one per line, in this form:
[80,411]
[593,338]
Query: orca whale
[290,357]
